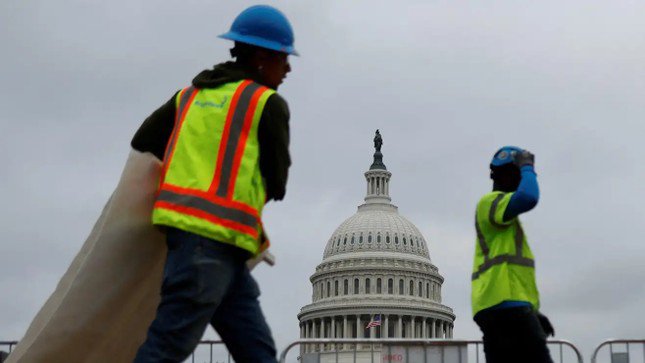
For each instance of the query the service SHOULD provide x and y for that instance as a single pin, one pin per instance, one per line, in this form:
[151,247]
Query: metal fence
[210,351]
[7,345]
[5,348]
[413,351]
[406,351]
[620,351]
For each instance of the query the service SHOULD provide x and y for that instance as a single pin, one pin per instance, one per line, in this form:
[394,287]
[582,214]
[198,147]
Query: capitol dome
[376,228]
[376,266]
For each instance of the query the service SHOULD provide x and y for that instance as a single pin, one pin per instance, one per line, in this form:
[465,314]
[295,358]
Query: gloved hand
[524,158]
[546,325]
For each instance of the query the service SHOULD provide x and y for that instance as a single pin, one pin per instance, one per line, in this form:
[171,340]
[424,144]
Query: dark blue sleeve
[527,195]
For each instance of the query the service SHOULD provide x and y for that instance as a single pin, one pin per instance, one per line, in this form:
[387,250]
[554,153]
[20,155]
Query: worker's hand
[265,256]
[268,258]
[546,325]
[524,158]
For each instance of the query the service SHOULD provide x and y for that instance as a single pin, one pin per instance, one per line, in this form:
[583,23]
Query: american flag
[376,321]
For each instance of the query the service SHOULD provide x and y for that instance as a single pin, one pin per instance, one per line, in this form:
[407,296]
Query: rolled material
[102,307]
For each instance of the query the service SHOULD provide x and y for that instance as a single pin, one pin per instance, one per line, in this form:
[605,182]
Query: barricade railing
[206,351]
[210,351]
[627,348]
[5,348]
[400,350]
[8,345]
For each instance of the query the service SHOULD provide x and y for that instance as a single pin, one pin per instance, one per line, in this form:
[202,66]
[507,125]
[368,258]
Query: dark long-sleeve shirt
[273,130]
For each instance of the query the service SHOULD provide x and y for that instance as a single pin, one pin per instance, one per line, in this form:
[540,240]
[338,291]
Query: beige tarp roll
[103,305]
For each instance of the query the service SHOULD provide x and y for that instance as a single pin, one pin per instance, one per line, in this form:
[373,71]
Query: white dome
[375,263]
[377,228]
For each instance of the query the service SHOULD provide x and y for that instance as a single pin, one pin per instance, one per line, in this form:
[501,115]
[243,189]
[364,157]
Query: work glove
[265,256]
[546,325]
[524,158]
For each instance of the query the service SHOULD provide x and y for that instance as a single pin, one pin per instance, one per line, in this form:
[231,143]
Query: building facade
[376,267]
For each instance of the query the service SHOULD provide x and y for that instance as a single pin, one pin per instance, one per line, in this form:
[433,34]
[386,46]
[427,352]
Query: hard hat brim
[259,42]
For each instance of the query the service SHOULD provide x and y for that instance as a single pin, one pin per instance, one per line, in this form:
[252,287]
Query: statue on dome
[378,141]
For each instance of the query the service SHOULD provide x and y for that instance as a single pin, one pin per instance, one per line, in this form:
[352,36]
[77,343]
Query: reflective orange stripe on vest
[238,124]
[228,213]
[185,99]
[216,205]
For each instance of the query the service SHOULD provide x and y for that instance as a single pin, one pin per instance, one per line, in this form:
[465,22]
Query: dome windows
[376,231]
[377,284]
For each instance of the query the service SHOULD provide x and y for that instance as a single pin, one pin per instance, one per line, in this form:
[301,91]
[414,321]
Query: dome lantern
[378,178]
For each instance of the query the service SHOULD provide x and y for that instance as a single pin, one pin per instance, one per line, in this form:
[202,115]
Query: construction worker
[224,145]
[505,298]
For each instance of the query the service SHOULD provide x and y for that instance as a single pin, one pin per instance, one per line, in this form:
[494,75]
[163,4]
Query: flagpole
[379,326]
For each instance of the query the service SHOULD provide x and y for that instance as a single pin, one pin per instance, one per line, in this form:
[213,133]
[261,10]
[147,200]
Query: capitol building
[376,267]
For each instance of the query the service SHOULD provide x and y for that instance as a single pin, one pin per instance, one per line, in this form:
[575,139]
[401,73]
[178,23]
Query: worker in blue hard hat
[505,297]
[224,143]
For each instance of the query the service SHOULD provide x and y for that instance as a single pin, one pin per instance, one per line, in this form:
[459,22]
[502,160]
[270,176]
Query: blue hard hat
[505,155]
[263,26]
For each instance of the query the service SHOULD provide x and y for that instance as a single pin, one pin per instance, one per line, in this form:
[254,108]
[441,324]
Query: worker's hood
[224,73]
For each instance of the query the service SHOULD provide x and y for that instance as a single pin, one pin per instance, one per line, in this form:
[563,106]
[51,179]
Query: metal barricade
[5,348]
[628,350]
[9,344]
[393,350]
[210,351]
[206,352]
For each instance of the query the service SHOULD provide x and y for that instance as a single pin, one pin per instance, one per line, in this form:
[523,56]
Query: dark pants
[513,335]
[207,282]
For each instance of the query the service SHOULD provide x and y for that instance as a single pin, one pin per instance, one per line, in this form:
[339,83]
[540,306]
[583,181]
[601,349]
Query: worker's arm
[527,195]
[273,136]
[153,135]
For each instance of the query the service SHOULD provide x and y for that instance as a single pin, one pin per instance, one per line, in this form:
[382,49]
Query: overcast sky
[446,82]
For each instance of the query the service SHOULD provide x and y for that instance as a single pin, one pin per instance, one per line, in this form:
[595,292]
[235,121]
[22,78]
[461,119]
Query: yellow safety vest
[503,269]
[211,183]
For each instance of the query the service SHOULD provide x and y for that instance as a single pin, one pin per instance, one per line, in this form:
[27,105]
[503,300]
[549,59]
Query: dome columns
[378,186]
[378,183]
[353,326]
